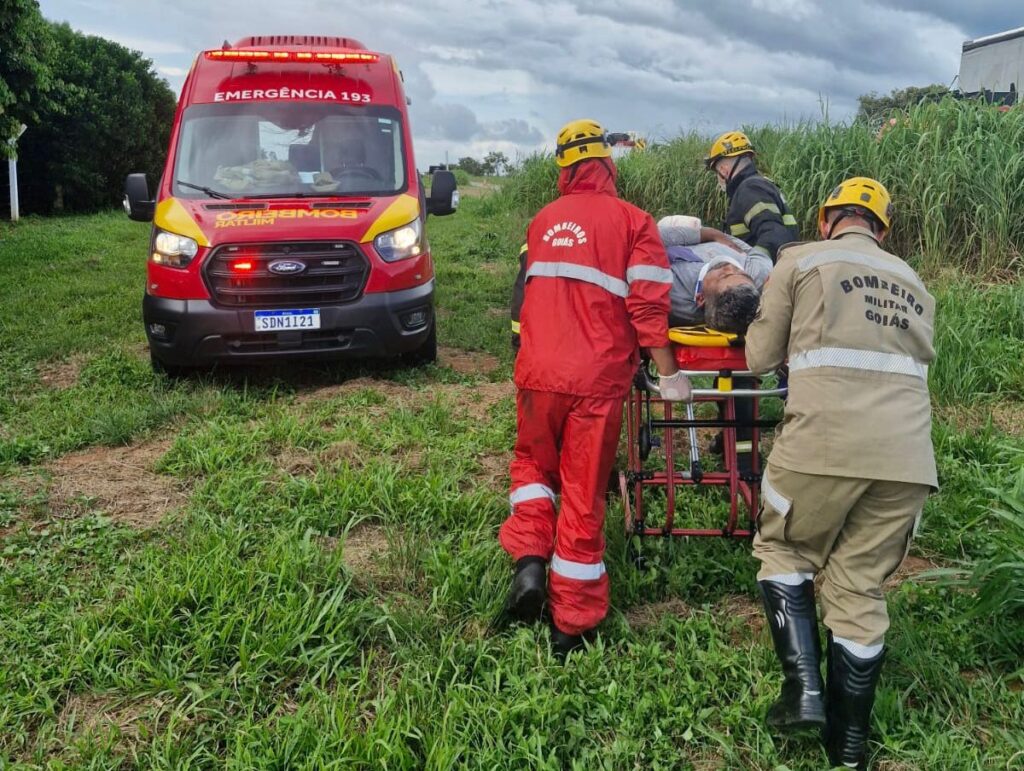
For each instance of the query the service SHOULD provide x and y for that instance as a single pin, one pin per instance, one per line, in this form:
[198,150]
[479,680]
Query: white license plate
[276,321]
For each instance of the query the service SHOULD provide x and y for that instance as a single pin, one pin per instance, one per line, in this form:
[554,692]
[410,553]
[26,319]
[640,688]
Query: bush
[110,116]
[952,167]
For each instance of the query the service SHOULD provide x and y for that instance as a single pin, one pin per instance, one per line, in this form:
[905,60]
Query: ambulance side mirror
[137,203]
[444,194]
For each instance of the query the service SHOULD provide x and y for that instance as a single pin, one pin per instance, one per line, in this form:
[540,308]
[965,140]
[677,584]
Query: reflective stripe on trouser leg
[801,516]
[577,583]
[530,530]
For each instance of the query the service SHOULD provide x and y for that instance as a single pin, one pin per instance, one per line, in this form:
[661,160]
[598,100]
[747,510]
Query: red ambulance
[290,219]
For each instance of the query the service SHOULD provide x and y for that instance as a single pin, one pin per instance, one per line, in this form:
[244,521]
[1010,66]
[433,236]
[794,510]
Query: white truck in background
[993,67]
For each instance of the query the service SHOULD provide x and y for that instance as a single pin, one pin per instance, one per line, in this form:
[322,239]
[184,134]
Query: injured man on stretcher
[716,279]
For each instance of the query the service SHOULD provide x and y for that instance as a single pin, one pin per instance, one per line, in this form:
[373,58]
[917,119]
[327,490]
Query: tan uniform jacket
[855,323]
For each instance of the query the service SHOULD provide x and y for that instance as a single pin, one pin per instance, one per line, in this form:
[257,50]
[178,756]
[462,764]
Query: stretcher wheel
[635,554]
[644,441]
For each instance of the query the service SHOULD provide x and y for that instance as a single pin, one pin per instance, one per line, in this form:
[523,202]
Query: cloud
[506,74]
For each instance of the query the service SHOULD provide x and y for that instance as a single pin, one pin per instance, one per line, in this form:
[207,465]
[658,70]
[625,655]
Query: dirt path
[120,481]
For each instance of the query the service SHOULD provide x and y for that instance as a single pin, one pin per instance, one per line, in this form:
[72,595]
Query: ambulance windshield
[285,149]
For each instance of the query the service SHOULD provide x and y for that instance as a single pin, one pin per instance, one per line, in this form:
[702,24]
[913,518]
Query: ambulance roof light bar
[327,57]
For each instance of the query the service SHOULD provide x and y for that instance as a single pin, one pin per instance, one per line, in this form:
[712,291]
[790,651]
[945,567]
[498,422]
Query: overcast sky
[495,74]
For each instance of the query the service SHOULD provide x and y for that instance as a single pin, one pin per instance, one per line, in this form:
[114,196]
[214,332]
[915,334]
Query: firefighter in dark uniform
[759,215]
[517,298]
[758,212]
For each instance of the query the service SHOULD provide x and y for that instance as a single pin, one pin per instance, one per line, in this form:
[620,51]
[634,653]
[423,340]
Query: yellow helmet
[729,145]
[864,192]
[580,140]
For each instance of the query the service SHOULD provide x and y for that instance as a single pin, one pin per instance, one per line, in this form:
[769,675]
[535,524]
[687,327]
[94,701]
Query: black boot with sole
[850,695]
[529,590]
[794,627]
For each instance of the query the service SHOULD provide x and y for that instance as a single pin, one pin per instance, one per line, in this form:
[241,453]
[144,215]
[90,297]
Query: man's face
[721,279]
[723,170]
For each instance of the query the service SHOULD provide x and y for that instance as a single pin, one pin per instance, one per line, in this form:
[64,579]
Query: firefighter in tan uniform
[848,476]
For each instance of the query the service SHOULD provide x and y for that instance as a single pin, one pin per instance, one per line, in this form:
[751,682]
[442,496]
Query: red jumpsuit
[597,289]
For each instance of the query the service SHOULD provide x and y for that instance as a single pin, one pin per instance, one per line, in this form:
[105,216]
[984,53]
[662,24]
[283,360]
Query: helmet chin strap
[845,213]
[735,167]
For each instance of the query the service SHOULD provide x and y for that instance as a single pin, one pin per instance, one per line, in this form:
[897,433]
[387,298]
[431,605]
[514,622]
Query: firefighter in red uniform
[597,289]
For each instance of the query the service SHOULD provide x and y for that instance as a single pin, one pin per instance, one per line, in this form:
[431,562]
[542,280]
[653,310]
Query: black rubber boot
[794,626]
[562,643]
[849,698]
[529,590]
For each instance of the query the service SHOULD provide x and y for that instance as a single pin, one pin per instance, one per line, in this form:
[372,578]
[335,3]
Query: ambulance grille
[332,272]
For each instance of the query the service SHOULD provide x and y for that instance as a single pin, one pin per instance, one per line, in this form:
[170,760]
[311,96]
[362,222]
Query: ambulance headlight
[172,249]
[401,243]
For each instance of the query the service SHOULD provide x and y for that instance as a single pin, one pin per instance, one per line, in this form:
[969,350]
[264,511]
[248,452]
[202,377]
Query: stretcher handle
[745,392]
[651,386]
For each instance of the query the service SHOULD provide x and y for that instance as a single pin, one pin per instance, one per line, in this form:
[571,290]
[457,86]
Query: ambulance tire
[426,353]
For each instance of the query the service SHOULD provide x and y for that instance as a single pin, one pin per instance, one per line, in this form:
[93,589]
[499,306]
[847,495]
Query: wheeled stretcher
[662,437]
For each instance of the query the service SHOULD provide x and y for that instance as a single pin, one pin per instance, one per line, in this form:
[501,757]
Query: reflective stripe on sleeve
[522,248]
[616,286]
[789,219]
[648,273]
[757,208]
[515,326]
[531,492]
[852,358]
[580,571]
[739,230]
[866,260]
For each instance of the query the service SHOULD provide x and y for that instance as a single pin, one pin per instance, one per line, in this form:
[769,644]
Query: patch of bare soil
[495,469]
[645,616]
[364,550]
[744,608]
[345,452]
[61,374]
[477,400]
[296,461]
[467,362]
[1006,417]
[119,480]
[910,567]
[90,713]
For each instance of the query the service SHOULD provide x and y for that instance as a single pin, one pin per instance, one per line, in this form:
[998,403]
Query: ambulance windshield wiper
[210,192]
[295,195]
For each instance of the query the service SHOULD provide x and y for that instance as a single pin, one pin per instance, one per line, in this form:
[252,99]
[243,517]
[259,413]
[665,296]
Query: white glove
[675,388]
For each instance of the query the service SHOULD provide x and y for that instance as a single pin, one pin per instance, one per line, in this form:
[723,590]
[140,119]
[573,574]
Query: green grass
[254,628]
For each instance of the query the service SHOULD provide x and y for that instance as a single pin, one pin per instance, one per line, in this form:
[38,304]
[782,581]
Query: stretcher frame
[641,427]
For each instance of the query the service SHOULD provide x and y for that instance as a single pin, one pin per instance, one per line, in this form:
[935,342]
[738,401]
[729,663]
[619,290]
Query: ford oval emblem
[286,267]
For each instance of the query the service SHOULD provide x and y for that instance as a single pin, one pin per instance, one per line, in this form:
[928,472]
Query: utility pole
[12,172]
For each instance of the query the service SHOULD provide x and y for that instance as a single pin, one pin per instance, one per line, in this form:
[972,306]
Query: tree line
[94,111]
[493,163]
